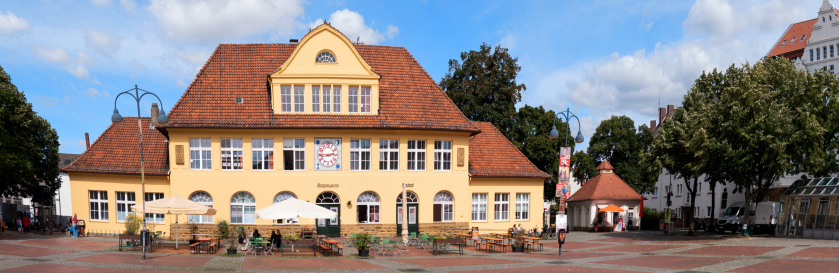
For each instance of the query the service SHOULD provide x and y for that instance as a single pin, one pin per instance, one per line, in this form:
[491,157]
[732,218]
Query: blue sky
[599,58]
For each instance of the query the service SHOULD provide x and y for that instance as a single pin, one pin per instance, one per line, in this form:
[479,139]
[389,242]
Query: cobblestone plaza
[584,252]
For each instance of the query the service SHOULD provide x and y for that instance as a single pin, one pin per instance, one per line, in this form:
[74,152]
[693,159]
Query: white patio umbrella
[174,205]
[293,208]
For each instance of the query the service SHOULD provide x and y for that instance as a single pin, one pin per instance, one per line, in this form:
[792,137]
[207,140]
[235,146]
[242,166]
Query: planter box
[836,235]
[817,234]
[518,249]
[808,234]
[363,253]
[231,251]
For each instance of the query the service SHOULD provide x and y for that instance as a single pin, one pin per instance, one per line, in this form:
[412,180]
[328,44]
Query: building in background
[604,189]
[812,44]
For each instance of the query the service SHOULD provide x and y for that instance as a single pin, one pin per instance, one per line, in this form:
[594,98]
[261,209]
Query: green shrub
[223,229]
[651,218]
[362,241]
[133,224]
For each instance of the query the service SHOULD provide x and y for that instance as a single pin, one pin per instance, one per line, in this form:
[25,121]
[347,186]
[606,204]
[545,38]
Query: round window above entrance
[328,198]
[325,57]
[412,198]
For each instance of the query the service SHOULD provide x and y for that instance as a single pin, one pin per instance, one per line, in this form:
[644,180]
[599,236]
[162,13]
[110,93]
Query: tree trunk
[713,186]
[692,191]
[748,192]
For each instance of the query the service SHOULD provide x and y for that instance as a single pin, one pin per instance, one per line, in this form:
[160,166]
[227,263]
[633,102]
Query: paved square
[731,250]
[622,240]
[639,248]
[72,243]
[670,262]
[790,266]
[552,268]
[30,251]
[445,262]
[271,263]
[566,255]
[137,259]
[817,252]
[575,245]
[60,268]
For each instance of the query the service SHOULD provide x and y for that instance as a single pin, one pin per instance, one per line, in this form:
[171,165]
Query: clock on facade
[327,154]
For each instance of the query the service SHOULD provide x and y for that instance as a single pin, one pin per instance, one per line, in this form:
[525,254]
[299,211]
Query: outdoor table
[439,245]
[533,239]
[194,235]
[203,242]
[486,241]
[331,243]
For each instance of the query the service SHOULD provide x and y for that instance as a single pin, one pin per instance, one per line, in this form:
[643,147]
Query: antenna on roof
[357,39]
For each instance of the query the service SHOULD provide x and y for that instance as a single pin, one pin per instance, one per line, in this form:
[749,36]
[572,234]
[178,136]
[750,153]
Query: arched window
[202,198]
[242,206]
[325,57]
[412,198]
[282,197]
[443,207]
[328,198]
[367,207]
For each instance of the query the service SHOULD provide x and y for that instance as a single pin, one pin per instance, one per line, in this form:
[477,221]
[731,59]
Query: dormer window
[793,40]
[784,42]
[325,57]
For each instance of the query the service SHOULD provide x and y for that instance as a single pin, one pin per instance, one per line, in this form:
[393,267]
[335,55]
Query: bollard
[561,240]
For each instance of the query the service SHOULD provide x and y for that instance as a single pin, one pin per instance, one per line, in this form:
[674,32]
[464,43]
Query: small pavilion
[602,190]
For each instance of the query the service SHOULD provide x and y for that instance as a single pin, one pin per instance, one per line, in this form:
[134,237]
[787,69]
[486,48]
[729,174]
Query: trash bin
[80,225]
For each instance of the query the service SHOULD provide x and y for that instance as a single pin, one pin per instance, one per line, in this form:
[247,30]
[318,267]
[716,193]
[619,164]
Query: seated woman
[256,233]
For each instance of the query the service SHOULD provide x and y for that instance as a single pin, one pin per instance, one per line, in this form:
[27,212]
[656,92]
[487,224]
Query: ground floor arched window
[443,207]
[242,207]
[368,207]
[202,198]
[282,197]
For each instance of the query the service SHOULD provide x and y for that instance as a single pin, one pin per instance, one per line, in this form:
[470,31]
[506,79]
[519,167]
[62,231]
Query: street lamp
[555,134]
[162,119]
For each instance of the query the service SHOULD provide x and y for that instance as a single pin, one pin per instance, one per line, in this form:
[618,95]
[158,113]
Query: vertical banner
[562,189]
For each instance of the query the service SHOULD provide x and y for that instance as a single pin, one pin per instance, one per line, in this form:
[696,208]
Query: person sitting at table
[275,238]
[256,233]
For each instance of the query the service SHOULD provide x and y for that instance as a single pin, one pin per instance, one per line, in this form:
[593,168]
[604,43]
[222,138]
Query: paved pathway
[584,252]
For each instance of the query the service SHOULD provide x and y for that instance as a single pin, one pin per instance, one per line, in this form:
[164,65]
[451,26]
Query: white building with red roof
[812,44]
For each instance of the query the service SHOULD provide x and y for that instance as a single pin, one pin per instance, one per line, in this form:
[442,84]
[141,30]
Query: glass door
[330,227]
[413,224]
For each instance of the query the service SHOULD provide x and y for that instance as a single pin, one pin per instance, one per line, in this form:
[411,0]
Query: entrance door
[329,227]
[413,216]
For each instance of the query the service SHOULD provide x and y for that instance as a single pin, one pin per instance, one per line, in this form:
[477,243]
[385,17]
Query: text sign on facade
[179,154]
[461,154]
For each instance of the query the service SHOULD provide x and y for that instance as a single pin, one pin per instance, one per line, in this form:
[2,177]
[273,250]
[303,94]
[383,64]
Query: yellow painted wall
[82,183]
[264,185]
[490,186]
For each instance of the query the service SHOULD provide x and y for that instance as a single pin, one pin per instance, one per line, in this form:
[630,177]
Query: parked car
[766,216]
[733,217]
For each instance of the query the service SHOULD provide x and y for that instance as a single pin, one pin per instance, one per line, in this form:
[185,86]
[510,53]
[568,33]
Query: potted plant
[518,244]
[362,243]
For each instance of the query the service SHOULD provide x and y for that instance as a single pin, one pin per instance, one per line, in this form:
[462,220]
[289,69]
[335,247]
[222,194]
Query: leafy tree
[617,141]
[583,166]
[531,134]
[483,85]
[28,145]
[760,127]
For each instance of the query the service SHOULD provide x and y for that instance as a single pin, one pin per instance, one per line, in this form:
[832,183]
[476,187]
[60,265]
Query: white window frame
[98,205]
[416,155]
[282,196]
[154,217]
[373,207]
[200,154]
[315,98]
[239,206]
[655,191]
[357,155]
[388,154]
[502,206]
[479,207]
[326,98]
[297,146]
[522,206]
[285,99]
[202,198]
[352,99]
[231,148]
[125,199]
[445,202]
[262,156]
[299,98]
[336,98]
[442,155]
[365,103]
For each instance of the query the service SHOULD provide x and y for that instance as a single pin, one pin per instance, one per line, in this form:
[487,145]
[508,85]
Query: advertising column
[563,191]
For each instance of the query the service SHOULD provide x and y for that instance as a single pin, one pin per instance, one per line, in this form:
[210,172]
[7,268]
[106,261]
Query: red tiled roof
[796,31]
[408,97]
[117,151]
[492,155]
[605,186]
[604,166]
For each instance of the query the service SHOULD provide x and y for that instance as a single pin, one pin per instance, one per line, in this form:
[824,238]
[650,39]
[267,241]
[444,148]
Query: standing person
[19,225]
[26,223]
[75,228]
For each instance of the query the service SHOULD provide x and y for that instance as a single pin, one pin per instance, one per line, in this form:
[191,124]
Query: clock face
[327,154]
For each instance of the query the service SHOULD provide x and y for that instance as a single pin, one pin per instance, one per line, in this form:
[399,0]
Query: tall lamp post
[162,119]
[555,134]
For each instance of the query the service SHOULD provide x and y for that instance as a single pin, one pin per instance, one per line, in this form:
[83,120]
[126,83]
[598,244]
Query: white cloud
[717,34]
[102,41]
[92,93]
[82,144]
[180,83]
[129,5]
[101,2]
[352,24]
[206,21]
[75,67]
[47,101]
[10,23]
[508,41]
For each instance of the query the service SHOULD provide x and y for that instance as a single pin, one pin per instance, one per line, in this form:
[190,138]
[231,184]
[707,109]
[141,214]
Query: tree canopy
[531,134]
[483,85]
[28,145]
[618,141]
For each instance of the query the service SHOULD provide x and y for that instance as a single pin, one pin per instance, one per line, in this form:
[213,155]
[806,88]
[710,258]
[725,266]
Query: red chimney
[662,112]
[87,140]
[652,125]
[670,109]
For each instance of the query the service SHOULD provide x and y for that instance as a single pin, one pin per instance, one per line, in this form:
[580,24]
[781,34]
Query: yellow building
[325,120]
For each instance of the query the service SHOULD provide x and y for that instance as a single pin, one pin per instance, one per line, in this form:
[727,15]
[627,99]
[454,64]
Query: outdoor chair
[268,249]
[258,247]
[394,249]
[381,247]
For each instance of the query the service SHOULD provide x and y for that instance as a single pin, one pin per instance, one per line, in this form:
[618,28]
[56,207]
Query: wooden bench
[540,244]
[194,246]
[340,249]
[128,239]
[212,247]
[503,247]
[440,245]
[528,245]
[300,244]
